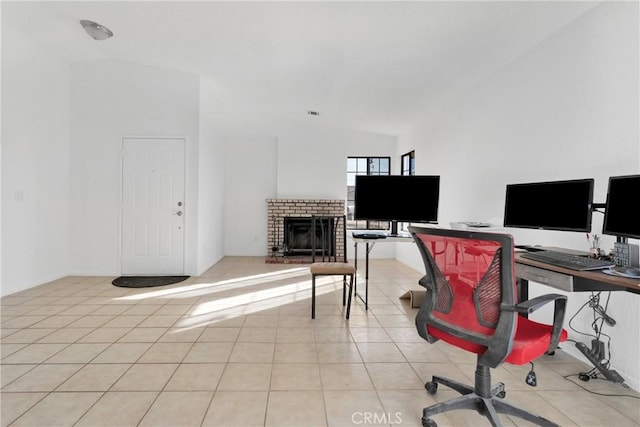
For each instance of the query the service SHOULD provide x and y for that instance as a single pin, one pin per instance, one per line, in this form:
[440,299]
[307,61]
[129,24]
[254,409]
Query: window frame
[408,163]
[407,167]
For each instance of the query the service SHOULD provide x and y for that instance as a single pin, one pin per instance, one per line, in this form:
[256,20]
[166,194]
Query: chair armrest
[529,306]
[533,304]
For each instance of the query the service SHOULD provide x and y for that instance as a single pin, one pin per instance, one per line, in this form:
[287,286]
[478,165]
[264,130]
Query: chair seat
[531,341]
[331,268]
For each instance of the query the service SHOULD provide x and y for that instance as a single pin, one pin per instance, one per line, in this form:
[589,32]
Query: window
[364,166]
[408,163]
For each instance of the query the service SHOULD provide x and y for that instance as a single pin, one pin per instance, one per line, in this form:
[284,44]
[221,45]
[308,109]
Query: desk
[370,243]
[573,281]
[569,280]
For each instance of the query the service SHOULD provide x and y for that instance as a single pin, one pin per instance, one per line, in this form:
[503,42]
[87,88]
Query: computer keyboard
[369,235]
[572,262]
[476,224]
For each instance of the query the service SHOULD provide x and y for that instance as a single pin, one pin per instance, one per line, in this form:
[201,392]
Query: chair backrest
[469,276]
[329,238]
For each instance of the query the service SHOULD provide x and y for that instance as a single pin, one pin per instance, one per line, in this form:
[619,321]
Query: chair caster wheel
[431,387]
[502,394]
[428,422]
[583,376]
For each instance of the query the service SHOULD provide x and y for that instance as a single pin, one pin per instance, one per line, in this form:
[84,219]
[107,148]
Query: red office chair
[471,303]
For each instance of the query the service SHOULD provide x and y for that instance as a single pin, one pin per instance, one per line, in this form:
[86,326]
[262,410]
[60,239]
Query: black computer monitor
[551,205]
[621,210]
[405,198]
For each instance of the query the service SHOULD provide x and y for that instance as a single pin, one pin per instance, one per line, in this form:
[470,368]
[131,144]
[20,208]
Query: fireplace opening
[298,237]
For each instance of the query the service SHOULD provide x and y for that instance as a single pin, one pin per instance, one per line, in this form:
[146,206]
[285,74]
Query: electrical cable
[568,377]
[574,316]
[604,318]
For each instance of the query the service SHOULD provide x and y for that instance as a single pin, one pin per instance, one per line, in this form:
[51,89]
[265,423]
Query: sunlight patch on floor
[200,289]
[253,302]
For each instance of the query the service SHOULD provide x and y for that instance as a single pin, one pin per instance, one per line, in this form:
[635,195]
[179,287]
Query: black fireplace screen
[298,237]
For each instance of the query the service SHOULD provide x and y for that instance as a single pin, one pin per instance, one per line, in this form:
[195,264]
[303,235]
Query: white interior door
[153,208]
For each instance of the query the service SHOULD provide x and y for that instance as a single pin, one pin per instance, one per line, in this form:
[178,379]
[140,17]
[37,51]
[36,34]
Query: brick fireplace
[287,222]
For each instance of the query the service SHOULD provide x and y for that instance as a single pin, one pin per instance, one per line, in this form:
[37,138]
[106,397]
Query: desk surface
[388,239]
[613,282]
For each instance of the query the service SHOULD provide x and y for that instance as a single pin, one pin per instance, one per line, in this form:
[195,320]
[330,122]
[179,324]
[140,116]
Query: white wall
[110,101]
[210,203]
[312,161]
[35,164]
[567,109]
[250,179]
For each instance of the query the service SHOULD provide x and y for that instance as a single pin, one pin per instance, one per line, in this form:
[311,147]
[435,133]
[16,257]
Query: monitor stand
[394,228]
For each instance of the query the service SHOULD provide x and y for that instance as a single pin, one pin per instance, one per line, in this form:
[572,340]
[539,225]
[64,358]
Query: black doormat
[146,281]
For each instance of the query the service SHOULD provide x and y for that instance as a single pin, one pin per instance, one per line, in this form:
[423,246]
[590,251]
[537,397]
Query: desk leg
[366,279]
[523,291]
[355,264]
[366,275]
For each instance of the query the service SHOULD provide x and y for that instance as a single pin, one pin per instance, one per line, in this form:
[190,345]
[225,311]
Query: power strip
[610,374]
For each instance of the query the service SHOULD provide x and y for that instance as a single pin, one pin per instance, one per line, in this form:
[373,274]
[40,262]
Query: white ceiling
[367,65]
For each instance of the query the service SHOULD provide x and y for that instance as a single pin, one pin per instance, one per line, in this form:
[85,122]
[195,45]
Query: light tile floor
[236,347]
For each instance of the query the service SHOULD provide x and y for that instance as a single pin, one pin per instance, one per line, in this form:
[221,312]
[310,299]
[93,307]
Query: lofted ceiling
[376,66]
